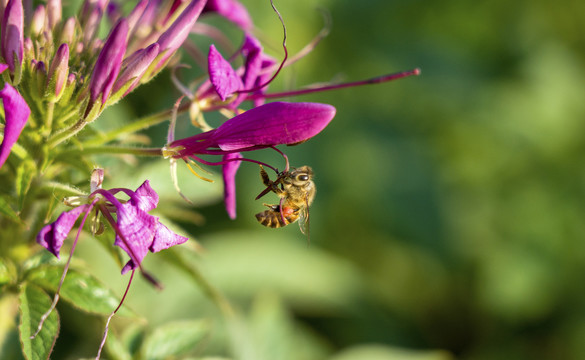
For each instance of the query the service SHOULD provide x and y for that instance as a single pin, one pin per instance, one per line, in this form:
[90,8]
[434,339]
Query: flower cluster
[59,75]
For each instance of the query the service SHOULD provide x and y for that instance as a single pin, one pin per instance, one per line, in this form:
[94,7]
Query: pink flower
[137,232]
[16,112]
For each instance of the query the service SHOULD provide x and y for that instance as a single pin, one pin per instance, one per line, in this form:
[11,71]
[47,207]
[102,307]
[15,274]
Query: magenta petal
[3,67]
[221,74]
[273,124]
[252,50]
[229,182]
[165,238]
[16,112]
[231,10]
[138,230]
[51,236]
[146,196]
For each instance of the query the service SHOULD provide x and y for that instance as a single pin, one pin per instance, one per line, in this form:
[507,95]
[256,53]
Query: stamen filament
[188,162]
[103,342]
[376,80]
[65,269]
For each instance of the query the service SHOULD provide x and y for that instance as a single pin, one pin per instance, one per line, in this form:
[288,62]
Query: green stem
[49,118]
[66,134]
[135,126]
[127,150]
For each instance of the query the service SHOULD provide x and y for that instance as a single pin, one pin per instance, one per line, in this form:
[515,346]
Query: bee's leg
[273,186]
[271,207]
[264,175]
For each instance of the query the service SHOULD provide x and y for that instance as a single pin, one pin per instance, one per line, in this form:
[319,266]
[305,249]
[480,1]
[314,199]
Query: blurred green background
[450,206]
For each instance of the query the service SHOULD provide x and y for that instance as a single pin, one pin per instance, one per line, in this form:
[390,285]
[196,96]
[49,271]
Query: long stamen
[223,162]
[188,162]
[376,80]
[112,315]
[65,269]
[257,88]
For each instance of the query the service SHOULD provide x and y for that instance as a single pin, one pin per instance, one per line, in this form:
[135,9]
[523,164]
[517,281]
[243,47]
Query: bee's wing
[304,219]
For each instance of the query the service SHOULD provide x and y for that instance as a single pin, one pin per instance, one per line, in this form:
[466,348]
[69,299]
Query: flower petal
[137,230]
[147,197]
[229,182]
[231,10]
[165,238]
[221,74]
[51,236]
[276,123]
[16,112]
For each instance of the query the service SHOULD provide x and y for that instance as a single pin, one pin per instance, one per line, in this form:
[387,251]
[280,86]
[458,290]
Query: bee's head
[299,176]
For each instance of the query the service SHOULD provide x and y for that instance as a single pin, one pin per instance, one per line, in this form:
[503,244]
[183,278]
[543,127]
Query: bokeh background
[448,221]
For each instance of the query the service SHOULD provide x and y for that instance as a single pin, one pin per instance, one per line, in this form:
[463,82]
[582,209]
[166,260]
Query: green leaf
[24,176]
[83,291]
[7,210]
[8,271]
[174,339]
[380,352]
[34,302]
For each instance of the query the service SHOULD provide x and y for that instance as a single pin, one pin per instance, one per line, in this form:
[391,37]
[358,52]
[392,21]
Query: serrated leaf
[7,210]
[24,176]
[174,339]
[83,291]
[34,302]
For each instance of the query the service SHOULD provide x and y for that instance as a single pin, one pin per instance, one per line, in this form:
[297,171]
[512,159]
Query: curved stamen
[376,80]
[260,87]
[223,162]
[65,269]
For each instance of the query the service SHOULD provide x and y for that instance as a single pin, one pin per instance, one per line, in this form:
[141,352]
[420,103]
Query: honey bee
[296,191]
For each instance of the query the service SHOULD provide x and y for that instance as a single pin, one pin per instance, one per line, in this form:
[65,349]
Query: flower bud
[134,67]
[176,34]
[108,63]
[12,37]
[54,13]
[37,22]
[68,32]
[58,72]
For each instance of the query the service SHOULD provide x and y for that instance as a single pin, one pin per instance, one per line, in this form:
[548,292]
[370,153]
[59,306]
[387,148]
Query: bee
[296,190]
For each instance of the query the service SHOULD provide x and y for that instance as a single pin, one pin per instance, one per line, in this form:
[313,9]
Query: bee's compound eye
[303,177]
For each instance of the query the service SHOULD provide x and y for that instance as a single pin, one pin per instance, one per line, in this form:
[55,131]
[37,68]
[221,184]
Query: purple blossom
[137,232]
[12,38]
[277,123]
[16,113]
